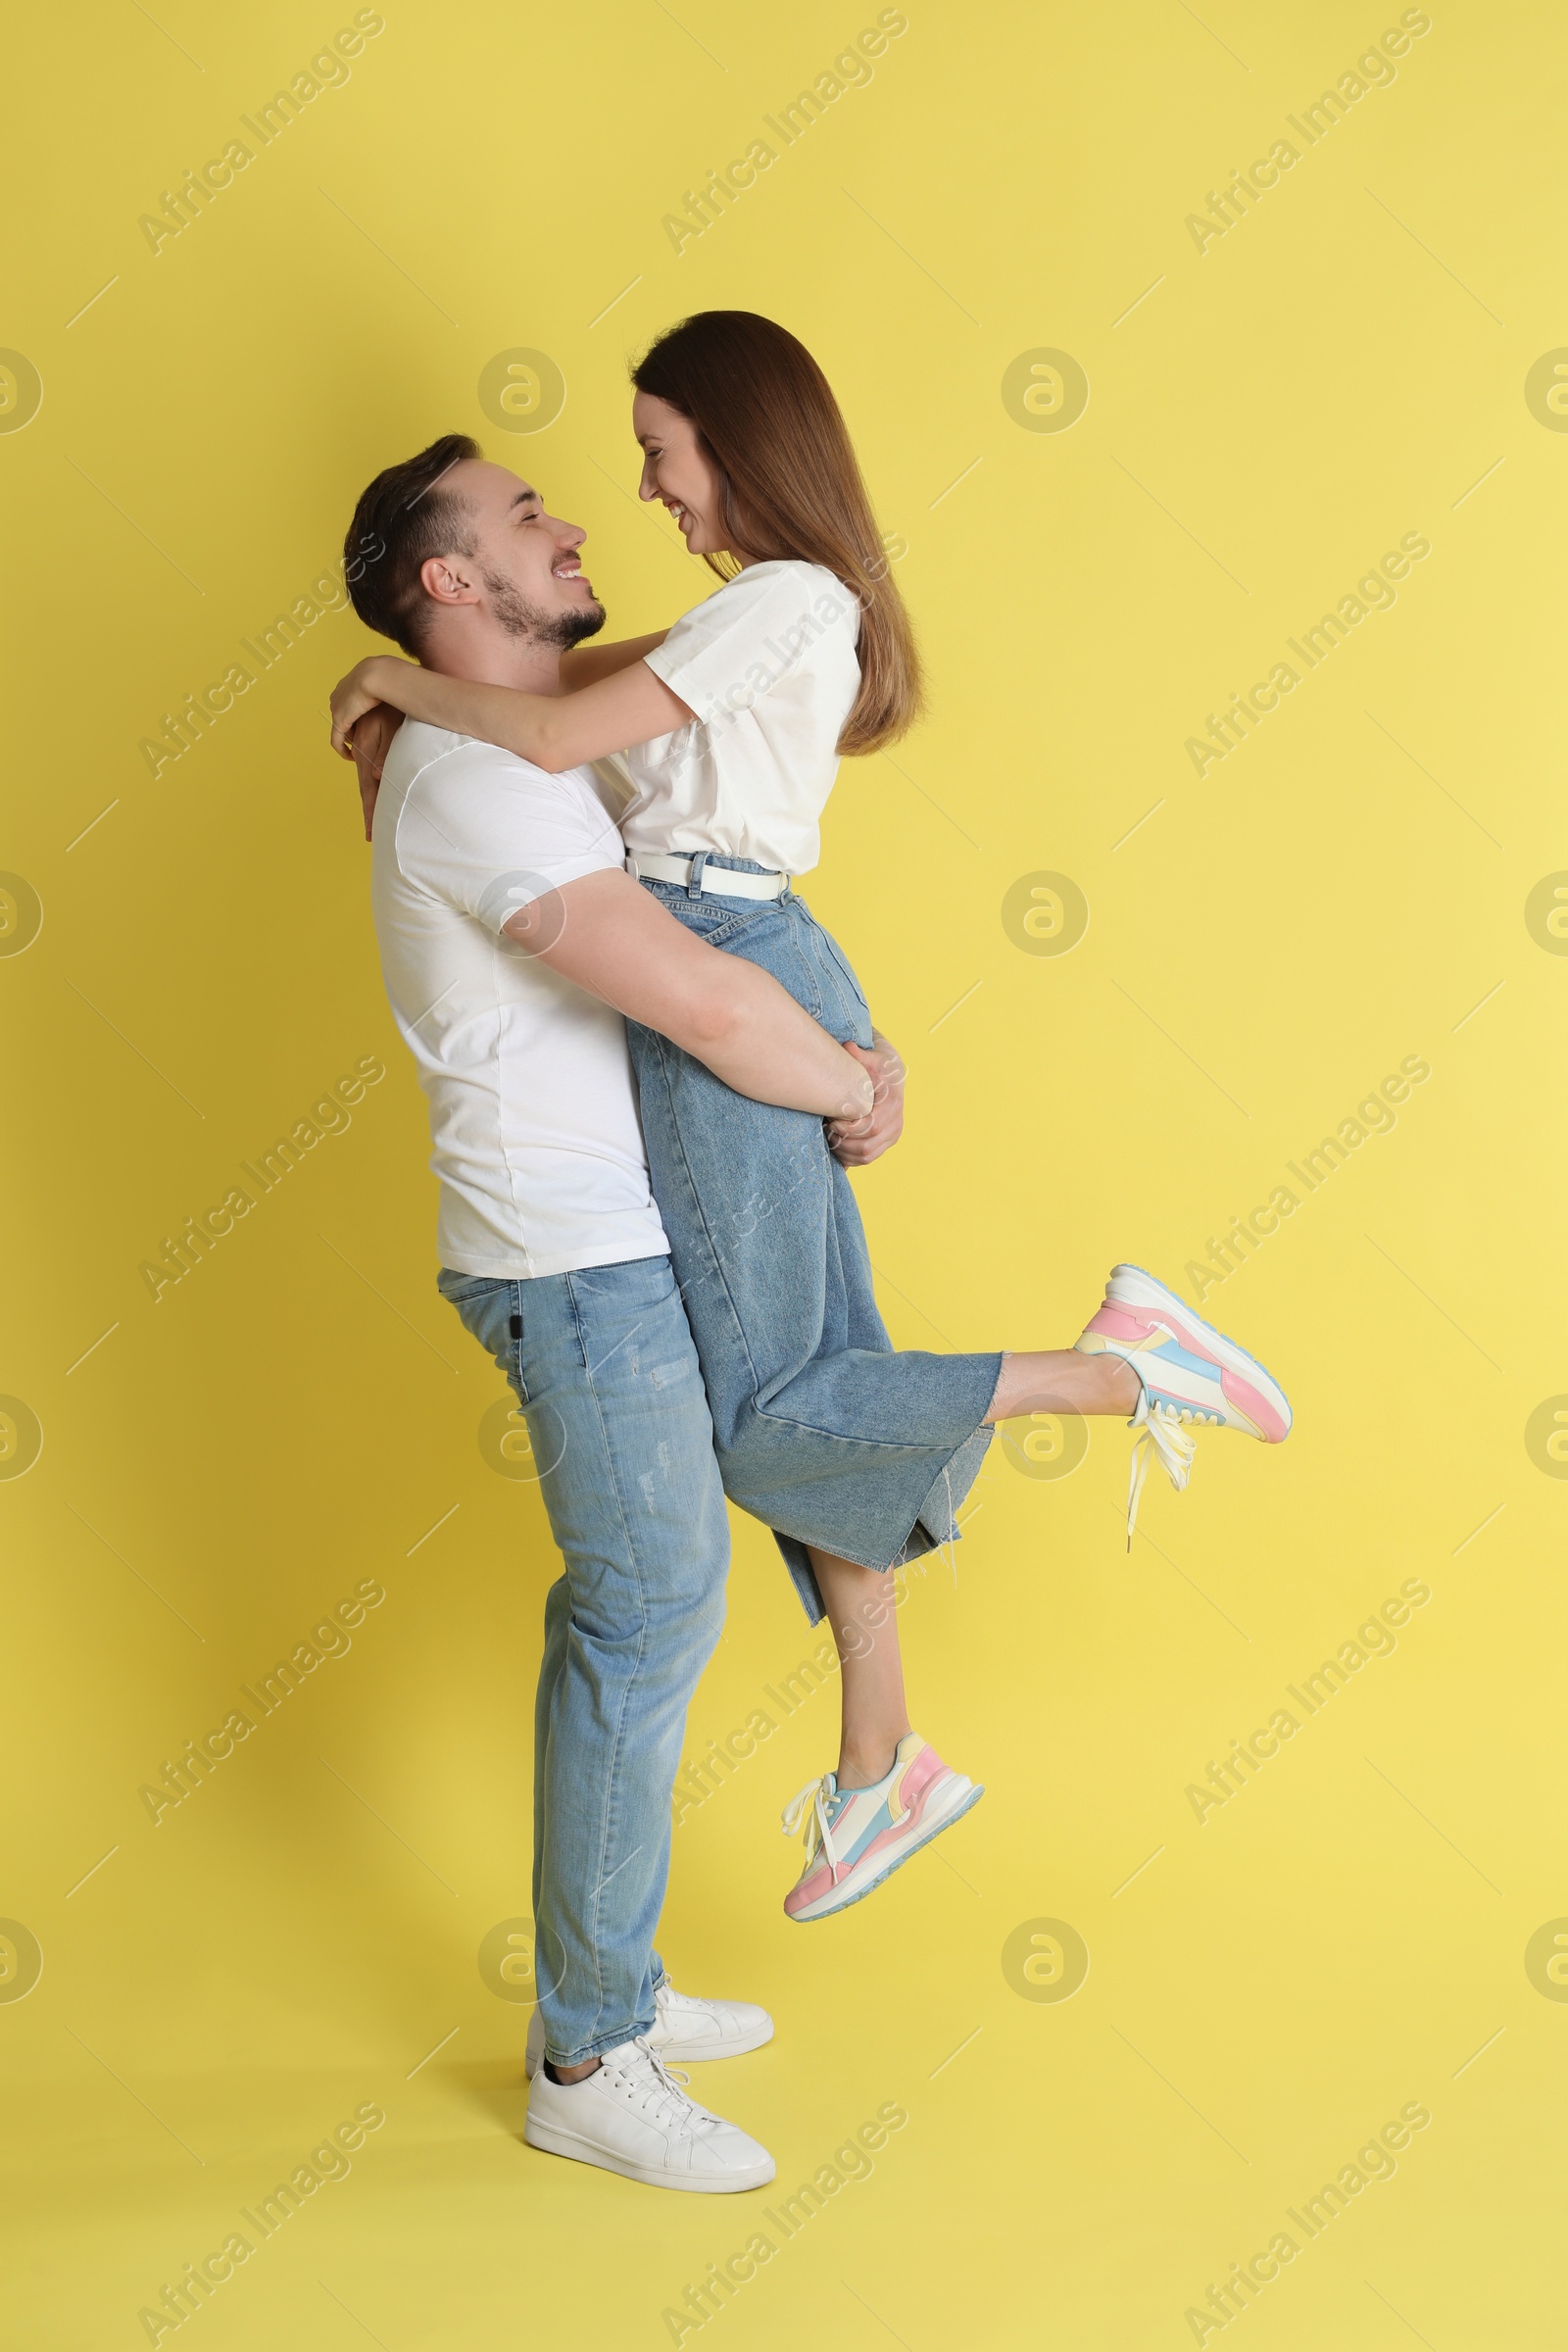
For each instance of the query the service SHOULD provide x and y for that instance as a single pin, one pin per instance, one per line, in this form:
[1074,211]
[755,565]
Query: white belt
[721,880]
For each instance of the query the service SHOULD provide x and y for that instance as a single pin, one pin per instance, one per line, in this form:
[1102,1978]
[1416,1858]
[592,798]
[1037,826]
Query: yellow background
[1341,368]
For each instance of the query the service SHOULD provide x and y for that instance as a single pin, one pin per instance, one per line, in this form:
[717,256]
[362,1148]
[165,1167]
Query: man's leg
[608,1373]
[557,1626]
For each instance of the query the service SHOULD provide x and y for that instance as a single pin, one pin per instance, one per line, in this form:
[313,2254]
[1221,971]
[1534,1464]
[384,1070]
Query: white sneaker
[631,2117]
[684,2027]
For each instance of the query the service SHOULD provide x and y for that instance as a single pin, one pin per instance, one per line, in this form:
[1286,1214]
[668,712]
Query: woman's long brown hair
[790,487]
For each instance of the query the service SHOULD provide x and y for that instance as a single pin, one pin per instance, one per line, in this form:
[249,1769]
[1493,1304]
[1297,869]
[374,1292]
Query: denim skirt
[822,1431]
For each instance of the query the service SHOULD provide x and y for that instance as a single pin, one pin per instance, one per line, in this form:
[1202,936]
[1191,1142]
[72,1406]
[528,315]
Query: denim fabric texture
[603,1367]
[822,1431]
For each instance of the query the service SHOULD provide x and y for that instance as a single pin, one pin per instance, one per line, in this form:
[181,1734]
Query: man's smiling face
[524,562]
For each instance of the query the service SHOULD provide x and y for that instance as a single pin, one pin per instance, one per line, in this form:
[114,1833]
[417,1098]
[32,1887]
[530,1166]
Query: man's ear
[445,583]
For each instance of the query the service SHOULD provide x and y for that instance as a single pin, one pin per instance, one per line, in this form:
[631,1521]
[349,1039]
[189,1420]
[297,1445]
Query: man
[513,941]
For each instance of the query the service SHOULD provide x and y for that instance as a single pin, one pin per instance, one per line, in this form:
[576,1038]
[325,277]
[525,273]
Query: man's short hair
[405,518]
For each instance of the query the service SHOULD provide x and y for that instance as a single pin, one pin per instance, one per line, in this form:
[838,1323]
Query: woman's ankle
[1063,1380]
[865,1762]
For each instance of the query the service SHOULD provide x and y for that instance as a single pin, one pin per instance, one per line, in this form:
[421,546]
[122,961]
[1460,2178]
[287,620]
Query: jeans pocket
[485,1308]
[459,1289]
[722,926]
[839,983]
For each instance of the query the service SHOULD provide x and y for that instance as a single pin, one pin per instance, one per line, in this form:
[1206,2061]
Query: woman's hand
[367,684]
[372,740]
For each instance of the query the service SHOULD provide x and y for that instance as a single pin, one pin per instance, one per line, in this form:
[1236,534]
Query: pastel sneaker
[684,2027]
[1189,1374]
[855,1838]
[631,2116]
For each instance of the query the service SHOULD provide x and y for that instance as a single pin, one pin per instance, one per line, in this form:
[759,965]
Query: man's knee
[690,1591]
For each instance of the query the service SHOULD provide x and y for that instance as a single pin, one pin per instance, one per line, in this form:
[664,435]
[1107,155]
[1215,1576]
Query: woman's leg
[821,1432]
[865,1632]
[1058,1379]
[875,1716]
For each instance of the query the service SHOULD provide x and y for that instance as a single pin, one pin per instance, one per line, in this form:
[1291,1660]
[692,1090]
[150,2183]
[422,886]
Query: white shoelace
[1160,1431]
[660,2093]
[815,1795]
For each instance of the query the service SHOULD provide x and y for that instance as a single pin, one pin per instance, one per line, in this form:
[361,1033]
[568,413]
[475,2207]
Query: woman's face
[677,470]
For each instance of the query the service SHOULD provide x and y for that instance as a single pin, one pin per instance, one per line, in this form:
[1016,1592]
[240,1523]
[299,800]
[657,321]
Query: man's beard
[520,619]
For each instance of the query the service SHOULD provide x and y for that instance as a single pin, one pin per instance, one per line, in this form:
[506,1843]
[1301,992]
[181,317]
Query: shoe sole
[685,2054]
[551,2142]
[1201,1337]
[827,1909]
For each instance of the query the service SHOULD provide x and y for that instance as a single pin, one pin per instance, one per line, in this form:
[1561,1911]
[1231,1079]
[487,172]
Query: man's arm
[606,933]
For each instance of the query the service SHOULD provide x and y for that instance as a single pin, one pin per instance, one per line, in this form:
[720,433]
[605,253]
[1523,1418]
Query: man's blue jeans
[603,1367]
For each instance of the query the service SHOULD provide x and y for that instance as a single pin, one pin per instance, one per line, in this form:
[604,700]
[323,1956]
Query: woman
[732,725]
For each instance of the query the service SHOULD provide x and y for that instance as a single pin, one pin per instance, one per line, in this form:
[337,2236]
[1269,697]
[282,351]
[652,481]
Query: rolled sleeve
[746,639]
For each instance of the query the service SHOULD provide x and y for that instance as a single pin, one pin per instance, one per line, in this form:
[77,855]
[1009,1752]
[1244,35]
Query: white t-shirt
[533,1115]
[768,666]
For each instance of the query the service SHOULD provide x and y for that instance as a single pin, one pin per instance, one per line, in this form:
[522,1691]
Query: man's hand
[352,697]
[370,744]
[856,1142]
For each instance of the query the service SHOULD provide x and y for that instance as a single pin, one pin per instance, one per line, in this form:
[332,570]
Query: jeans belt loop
[694,885]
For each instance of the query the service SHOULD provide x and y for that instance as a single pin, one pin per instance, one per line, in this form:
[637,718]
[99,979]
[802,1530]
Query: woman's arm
[585,665]
[552,731]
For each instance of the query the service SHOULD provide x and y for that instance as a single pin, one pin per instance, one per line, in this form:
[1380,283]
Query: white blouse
[768,666]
